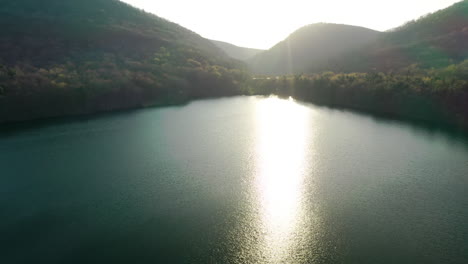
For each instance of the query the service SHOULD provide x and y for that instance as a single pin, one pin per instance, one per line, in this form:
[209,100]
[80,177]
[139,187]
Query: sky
[263,23]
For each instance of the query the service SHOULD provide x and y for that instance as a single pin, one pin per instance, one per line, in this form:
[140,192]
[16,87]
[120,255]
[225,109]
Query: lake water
[235,180]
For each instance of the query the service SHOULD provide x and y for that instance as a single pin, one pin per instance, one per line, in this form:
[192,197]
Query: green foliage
[442,22]
[432,95]
[73,57]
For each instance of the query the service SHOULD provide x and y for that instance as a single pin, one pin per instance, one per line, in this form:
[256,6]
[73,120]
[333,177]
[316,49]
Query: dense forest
[438,96]
[73,57]
[77,57]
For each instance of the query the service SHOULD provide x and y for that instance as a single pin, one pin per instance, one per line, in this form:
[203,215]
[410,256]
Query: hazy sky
[263,23]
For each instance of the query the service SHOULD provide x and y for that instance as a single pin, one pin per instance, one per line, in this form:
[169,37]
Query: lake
[232,180]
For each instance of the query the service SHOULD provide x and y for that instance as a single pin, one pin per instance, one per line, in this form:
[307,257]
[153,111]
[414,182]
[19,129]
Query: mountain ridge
[69,58]
[236,52]
[315,42]
[435,40]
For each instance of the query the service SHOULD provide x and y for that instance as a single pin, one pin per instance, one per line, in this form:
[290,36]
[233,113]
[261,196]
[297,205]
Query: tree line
[435,95]
[112,82]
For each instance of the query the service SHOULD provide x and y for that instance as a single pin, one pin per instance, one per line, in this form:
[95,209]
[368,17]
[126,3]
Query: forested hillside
[416,71]
[438,96]
[434,41]
[72,57]
[311,45]
[236,52]
[76,57]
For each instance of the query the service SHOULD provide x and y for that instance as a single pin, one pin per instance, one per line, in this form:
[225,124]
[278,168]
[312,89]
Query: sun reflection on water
[282,127]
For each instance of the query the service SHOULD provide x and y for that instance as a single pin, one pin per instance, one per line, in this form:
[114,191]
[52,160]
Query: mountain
[446,21]
[312,44]
[433,41]
[236,52]
[74,57]
[436,40]
[418,71]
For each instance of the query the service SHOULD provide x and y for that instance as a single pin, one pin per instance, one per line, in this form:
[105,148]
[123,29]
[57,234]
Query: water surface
[236,180]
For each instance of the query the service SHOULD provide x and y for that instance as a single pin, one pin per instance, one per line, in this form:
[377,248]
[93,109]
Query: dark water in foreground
[238,180]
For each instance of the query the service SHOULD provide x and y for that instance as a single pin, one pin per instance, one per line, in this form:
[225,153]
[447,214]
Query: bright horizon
[261,24]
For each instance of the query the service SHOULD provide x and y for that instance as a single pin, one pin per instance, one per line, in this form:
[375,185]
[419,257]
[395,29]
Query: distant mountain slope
[442,22]
[76,26]
[435,40]
[70,57]
[236,52]
[311,45]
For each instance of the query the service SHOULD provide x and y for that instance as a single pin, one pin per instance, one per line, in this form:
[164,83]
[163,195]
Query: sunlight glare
[281,152]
